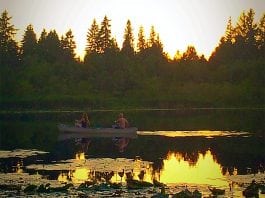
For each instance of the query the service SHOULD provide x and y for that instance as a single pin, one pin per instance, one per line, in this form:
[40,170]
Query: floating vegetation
[97,164]
[162,194]
[32,188]
[36,184]
[21,153]
[246,179]
[9,187]
[135,184]
[158,184]
[187,194]
[217,191]
[252,190]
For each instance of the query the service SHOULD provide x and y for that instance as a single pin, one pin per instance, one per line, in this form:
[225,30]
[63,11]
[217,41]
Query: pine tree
[114,45]
[104,40]
[246,30]
[42,49]
[68,46]
[128,43]
[92,37]
[29,43]
[9,54]
[229,32]
[260,37]
[152,37]
[159,44]
[141,44]
[239,43]
[177,56]
[50,46]
[190,54]
[246,27]
[225,52]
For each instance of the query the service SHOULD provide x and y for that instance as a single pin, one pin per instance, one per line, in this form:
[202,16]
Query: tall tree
[260,37]
[104,40]
[225,51]
[229,32]
[68,46]
[246,27]
[245,35]
[154,42]
[177,56]
[92,37]
[42,48]
[50,46]
[152,37]
[29,43]
[141,44]
[190,54]
[9,54]
[159,44]
[114,45]
[239,42]
[128,43]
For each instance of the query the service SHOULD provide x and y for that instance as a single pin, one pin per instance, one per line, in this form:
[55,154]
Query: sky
[179,23]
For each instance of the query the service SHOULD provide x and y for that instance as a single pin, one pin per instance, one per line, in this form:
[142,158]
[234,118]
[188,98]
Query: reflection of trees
[158,165]
[192,158]
[240,153]
[231,152]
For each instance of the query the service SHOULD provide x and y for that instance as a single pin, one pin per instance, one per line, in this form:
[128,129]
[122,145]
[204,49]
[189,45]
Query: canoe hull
[68,132]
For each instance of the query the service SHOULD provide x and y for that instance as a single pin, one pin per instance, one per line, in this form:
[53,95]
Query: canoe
[68,132]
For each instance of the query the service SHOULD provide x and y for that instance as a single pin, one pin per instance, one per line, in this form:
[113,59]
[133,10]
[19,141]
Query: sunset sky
[179,22]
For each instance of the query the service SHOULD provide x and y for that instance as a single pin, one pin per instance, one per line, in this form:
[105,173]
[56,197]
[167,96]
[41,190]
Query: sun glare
[179,23]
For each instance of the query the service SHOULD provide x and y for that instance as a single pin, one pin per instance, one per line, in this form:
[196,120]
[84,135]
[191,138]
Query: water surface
[191,149]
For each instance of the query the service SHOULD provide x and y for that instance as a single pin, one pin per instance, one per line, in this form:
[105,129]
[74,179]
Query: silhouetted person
[122,122]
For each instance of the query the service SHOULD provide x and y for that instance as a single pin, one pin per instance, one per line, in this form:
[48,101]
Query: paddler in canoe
[121,122]
[83,122]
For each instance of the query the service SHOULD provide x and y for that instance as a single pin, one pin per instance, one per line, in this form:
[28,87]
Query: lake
[194,149]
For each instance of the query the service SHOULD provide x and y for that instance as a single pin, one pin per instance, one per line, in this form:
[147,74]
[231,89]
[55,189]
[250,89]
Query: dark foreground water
[183,149]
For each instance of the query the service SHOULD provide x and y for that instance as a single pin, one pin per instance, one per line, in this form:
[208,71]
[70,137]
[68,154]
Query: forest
[45,73]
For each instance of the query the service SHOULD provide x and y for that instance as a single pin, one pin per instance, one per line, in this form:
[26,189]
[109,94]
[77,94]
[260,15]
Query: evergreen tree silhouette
[92,36]
[260,37]
[68,46]
[104,39]
[246,30]
[29,44]
[141,44]
[9,51]
[190,54]
[128,43]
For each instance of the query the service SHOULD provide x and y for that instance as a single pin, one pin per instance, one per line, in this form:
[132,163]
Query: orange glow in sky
[179,22]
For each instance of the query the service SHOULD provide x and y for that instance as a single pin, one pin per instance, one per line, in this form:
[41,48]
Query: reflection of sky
[200,133]
[205,171]
[176,169]
[82,169]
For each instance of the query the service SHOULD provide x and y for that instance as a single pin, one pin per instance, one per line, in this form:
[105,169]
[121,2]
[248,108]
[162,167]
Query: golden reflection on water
[200,133]
[79,175]
[201,169]
[204,171]
[80,156]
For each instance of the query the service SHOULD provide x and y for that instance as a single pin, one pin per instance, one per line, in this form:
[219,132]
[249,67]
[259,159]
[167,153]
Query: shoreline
[78,110]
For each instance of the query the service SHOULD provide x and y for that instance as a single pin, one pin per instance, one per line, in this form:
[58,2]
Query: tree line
[45,70]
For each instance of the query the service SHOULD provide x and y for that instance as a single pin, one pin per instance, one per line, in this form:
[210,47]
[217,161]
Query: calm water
[194,149]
